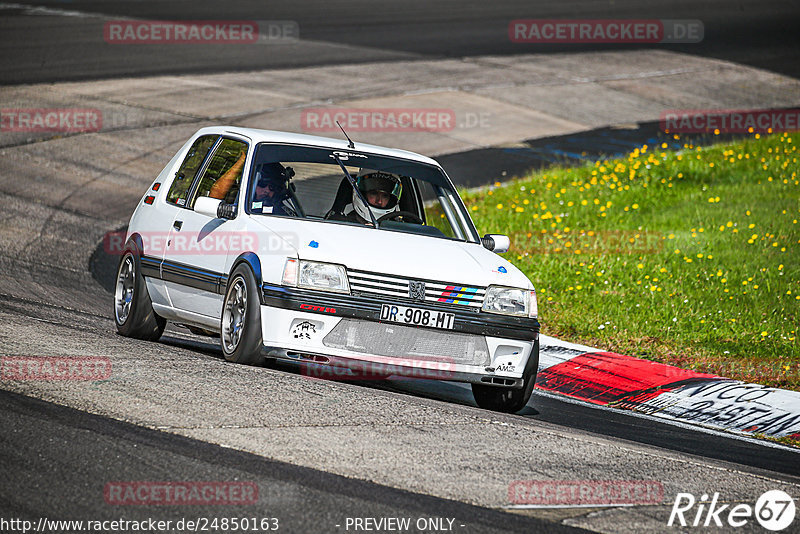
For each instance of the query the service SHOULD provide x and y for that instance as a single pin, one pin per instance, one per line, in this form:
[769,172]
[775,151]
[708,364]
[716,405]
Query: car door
[153,219]
[196,254]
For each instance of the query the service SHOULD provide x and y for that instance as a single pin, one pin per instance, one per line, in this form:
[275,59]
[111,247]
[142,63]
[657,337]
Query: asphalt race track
[319,452]
[57,439]
[45,47]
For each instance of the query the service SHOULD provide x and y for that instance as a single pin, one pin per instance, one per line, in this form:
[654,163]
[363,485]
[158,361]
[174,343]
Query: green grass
[689,257]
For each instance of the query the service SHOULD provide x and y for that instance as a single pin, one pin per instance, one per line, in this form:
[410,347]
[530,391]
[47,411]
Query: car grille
[398,286]
[397,341]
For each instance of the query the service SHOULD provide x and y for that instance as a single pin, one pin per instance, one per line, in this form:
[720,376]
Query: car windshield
[310,182]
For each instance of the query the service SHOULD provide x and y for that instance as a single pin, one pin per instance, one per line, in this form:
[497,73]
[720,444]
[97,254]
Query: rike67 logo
[774,510]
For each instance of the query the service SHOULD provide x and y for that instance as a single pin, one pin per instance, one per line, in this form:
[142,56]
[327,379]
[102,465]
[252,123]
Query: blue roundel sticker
[313,244]
[502,269]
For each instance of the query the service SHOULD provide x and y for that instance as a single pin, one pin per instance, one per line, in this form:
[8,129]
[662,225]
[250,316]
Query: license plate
[417,316]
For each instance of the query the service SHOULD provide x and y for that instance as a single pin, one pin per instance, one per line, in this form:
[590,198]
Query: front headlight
[511,301]
[316,275]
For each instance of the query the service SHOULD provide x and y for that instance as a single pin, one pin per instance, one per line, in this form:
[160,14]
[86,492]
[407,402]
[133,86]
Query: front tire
[241,319]
[508,400]
[133,309]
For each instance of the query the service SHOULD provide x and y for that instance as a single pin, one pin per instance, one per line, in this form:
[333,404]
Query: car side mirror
[496,242]
[215,208]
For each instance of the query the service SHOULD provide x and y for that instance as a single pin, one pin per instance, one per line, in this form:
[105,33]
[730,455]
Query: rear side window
[223,174]
[185,176]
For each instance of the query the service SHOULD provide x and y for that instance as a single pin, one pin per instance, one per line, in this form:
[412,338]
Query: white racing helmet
[372,180]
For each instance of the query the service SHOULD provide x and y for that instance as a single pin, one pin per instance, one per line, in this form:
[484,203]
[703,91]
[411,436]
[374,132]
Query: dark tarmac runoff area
[756,33]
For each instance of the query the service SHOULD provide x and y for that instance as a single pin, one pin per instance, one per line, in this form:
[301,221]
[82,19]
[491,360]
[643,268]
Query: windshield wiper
[355,188]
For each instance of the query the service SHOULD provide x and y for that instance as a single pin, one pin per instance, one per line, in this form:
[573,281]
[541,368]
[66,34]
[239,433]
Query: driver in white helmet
[381,190]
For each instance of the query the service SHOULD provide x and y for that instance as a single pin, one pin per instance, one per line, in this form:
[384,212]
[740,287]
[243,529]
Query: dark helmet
[273,175]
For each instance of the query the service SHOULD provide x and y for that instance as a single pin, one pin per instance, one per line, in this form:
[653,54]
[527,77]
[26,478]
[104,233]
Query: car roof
[273,136]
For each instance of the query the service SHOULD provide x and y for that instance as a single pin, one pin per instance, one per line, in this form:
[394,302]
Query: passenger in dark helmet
[271,189]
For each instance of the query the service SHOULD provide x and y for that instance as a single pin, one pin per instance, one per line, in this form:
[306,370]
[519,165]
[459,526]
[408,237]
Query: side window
[223,174]
[185,176]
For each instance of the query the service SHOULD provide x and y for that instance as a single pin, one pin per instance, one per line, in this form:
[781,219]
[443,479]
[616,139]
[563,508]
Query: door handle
[177,225]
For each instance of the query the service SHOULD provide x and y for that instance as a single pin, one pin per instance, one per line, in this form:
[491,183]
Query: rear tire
[240,325]
[133,309]
[508,400]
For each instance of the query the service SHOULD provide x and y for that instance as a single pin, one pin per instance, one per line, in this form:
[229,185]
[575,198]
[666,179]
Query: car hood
[396,253]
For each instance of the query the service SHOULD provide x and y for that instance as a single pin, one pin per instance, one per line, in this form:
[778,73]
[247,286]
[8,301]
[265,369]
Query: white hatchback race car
[329,254]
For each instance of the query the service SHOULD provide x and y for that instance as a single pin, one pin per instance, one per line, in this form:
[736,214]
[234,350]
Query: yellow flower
[499,206]
[764,333]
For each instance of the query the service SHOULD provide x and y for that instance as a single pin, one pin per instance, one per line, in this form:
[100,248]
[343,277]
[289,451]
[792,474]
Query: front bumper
[467,320]
[313,327]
